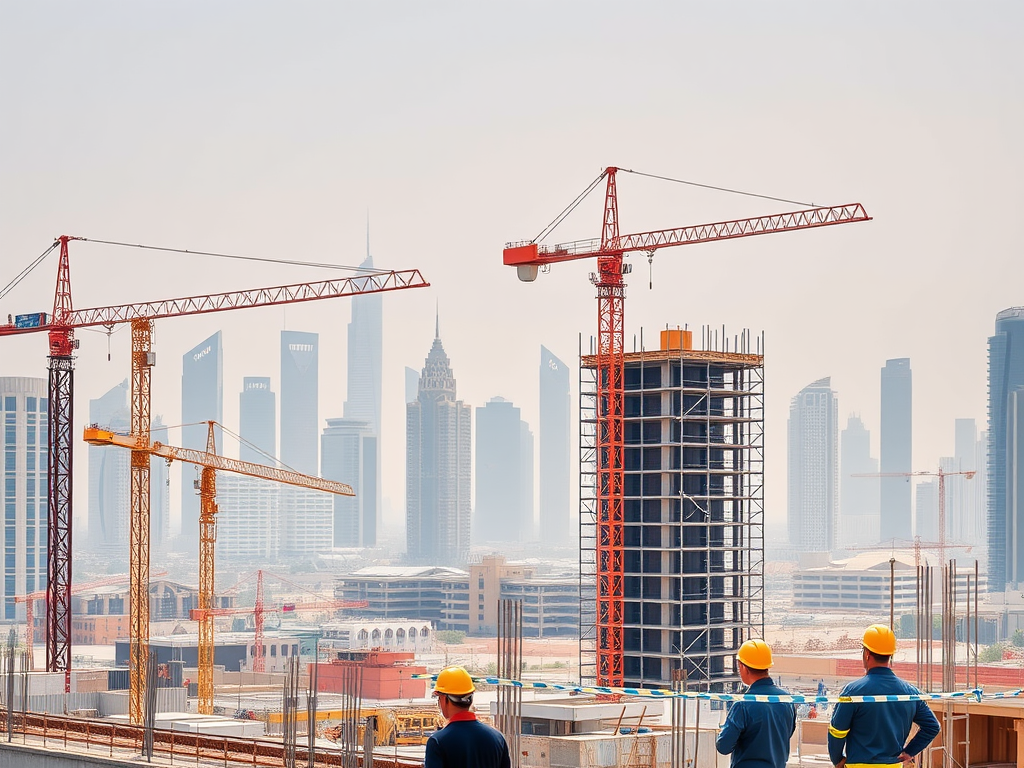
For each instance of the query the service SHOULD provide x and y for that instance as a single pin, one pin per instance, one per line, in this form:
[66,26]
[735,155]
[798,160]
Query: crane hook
[650,270]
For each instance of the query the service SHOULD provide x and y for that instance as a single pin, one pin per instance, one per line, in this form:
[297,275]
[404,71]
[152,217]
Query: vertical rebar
[311,702]
[892,593]
[149,707]
[678,751]
[9,688]
[918,622]
[290,709]
[510,666]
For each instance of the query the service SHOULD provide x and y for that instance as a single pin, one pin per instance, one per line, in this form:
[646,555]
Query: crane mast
[528,258]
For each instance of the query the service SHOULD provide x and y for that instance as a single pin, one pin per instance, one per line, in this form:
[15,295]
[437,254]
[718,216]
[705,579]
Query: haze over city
[279,133]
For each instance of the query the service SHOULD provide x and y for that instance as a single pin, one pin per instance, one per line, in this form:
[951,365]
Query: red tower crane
[61,327]
[609,249]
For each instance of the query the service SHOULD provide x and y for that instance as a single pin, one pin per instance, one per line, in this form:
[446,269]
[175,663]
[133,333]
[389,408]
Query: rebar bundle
[290,709]
[510,666]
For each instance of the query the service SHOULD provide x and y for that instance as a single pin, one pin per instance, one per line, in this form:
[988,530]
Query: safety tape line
[975,695]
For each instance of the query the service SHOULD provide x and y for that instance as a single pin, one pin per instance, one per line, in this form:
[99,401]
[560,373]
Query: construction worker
[875,734]
[464,742]
[757,733]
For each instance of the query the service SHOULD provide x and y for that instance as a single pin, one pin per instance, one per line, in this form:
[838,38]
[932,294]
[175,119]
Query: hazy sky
[271,129]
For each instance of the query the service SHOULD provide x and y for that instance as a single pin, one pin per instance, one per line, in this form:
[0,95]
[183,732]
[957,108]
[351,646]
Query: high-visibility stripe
[836,733]
[874,765]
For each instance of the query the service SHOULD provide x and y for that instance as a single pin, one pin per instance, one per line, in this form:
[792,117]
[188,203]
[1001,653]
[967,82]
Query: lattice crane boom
[528,258]
[60,327]
[210,462]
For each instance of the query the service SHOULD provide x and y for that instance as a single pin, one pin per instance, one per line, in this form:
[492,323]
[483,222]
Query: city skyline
[813,451]
[271,174]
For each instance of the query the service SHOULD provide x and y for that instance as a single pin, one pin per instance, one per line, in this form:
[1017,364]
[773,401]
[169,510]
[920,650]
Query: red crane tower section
[60,326]
[609,250]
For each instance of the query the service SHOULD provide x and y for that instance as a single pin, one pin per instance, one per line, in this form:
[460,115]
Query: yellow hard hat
[879,639]
[756,654]
[454,681]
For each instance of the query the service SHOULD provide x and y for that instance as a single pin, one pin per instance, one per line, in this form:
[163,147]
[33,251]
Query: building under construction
[693,515]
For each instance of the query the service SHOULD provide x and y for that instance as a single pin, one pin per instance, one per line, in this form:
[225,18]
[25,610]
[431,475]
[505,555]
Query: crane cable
[320,265]
[569,209]
[718,189]
[25,272]
[575,203]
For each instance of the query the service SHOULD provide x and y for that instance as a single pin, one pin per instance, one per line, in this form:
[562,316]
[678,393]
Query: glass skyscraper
[110,475]
[23,402]
[257,420]
[896,455]
[348,450]
[202,399]
[350,438]
[299,401]
[1006,451]
[504,480]
[858,496]
[438,467]
[813,468]
[553,431]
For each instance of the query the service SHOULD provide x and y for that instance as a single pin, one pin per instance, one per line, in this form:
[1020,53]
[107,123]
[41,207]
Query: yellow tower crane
[210,462]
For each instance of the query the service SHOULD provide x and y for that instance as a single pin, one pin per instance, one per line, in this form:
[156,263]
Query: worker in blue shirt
[464,742]
[875,734]
[757,734]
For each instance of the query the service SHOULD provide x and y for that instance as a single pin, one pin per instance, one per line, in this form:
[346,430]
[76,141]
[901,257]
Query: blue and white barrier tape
[974,695]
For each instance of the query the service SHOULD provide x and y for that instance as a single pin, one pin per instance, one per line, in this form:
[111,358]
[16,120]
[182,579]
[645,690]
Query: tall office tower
[24,405]
[965,516]
[858,496]
[1006,451]
[553,434]
[307,521]
[692,544]
[110,475]
[365,346]
[348,451]
[526,462]
[202,399]
[504,498]
[248,519]
[813,468]
[438,466]
[412,383]
[895,455]
[299,393]
[257,420]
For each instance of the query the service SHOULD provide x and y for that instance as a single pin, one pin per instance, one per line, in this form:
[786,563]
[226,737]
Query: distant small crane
[942,475]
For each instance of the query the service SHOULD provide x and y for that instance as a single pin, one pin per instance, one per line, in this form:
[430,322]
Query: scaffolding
[693,544]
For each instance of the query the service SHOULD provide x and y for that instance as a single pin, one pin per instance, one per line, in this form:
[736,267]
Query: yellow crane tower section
[210,462]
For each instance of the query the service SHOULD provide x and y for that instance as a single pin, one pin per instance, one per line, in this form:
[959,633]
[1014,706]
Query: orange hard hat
[454,681]
[879,639]
[756,654]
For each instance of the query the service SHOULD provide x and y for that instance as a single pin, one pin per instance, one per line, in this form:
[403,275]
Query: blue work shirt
[756,733]
[876,733]
[465,742]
